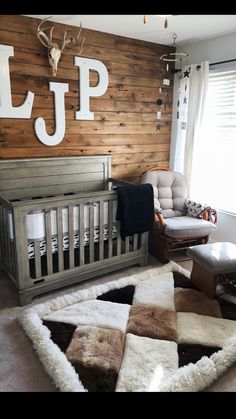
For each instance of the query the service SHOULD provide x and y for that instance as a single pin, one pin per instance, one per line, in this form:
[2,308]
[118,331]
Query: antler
[44,39]
[65,41]
[76,42]
[54,50]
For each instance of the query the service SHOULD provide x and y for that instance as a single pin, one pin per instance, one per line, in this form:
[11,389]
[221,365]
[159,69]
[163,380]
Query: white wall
[216,49]
[226,228]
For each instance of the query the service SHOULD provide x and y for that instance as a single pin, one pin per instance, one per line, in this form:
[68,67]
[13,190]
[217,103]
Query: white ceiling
[189,28]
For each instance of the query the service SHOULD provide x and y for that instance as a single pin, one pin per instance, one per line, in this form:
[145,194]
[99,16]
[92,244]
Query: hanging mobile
[165,95]
[159,102]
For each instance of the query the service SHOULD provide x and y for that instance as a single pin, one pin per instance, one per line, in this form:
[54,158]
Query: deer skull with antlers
[54,50]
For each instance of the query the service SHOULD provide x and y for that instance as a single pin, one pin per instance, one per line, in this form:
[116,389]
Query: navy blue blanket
[135,209]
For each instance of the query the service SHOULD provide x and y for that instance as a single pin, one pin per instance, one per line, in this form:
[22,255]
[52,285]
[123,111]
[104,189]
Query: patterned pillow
[194,209]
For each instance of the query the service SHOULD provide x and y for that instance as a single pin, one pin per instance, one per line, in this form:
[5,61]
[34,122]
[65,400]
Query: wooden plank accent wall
[125,116]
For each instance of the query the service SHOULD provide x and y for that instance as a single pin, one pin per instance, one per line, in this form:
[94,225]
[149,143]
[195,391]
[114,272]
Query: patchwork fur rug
[154,331]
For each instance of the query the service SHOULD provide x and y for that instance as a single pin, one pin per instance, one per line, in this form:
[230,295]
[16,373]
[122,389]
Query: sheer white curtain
[189,117]
[216,150]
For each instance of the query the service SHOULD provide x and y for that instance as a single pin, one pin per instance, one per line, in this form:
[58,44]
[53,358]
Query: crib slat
[13,247]
[48,241]
[110,220]
[6,244]
[2,241]
[37,259]
[13,258]
[11,263]
[6,240]
[118,241]
[135,241]
[10,258]
[101,230]
[71,238]
[81,234]
[144,240]
[127,244]
[7,249]
[91,233]
[60,240]
[21,244]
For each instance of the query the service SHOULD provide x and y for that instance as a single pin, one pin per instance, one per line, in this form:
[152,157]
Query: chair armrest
[159,223]
[205,215]
[210,214]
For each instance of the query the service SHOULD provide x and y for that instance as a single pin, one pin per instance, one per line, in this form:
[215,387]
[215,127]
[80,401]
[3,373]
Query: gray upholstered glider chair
[179,222]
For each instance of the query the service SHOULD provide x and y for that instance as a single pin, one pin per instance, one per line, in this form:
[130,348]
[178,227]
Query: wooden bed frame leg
[158,247]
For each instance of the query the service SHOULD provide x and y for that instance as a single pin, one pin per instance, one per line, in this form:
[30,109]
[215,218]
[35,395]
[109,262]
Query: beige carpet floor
[20,368]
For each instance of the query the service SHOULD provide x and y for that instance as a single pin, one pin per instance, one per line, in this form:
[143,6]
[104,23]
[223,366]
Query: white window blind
[220,141]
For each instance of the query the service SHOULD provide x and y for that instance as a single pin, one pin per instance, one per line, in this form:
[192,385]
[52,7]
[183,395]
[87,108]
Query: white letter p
[86,64]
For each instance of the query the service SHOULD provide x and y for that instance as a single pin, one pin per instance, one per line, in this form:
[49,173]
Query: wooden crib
[58,223]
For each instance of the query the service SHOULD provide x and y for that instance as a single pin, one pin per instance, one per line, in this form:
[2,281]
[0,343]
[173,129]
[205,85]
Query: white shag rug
[152,331]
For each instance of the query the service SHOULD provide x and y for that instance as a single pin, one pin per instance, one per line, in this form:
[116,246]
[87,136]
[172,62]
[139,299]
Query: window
[215,160]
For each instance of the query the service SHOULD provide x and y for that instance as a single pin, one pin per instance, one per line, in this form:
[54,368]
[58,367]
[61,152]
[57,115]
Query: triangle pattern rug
[153,331]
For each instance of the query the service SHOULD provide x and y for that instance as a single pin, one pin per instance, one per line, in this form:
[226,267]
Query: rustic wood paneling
[124,124]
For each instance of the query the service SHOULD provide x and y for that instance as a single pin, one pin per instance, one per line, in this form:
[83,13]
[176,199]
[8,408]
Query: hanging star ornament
[158,127]
[186,73]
